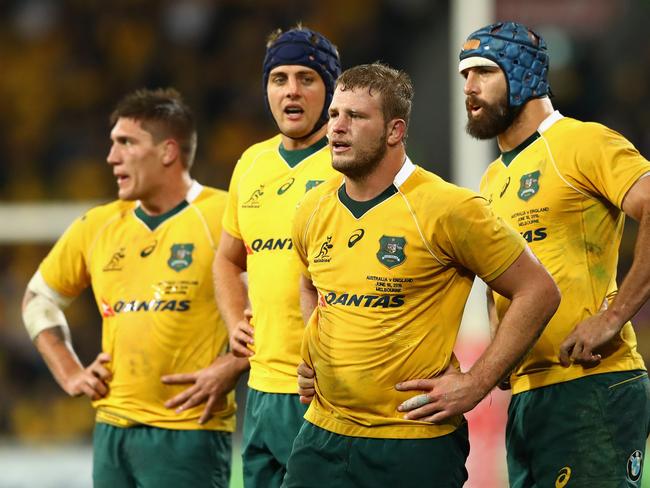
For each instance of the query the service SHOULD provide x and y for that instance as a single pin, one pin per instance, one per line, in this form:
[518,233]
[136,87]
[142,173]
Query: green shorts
[589,432]
[321,458]
[271,422]
[149,457]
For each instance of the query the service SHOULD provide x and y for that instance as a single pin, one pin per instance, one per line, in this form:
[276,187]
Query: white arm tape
[45,309]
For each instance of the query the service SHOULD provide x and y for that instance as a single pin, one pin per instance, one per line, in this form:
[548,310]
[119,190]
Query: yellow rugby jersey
[152,281]
[562,189]
[264,190]
[393,275]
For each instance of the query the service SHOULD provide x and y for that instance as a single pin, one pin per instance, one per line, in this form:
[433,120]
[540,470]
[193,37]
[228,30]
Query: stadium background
[65,63]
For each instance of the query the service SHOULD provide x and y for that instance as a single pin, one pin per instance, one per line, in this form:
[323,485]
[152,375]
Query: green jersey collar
[295,157]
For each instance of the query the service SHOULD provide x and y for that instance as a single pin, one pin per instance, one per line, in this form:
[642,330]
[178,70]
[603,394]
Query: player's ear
[395,132]
[171,151]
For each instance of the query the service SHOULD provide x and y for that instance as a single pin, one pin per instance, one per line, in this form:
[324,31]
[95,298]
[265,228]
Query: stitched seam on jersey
[205,224]
[91,248]
[249,169]
[309,220]
[417,225]
[557,170]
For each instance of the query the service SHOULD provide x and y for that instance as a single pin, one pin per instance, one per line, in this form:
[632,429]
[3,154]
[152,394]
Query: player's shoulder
[268,146]
[101,214]
[574,131]
[429,188]
[211,201]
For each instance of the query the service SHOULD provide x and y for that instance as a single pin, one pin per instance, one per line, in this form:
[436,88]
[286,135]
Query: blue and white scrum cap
[305,47]
[518,51]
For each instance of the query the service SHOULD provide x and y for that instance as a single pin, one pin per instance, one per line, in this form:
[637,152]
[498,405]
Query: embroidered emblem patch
[181,256]
[391,251]
[528,185]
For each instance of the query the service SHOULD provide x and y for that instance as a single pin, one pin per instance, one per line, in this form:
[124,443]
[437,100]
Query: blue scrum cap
[305,47]
[518,51]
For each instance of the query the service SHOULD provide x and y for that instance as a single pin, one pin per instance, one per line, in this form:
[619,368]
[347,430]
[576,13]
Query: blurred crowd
[66,63]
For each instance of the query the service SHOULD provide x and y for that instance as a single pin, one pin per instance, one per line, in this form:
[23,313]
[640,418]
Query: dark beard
[495,118]
[365,163]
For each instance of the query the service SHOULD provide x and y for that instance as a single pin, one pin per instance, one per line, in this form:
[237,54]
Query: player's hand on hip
[209,385]
[306,382]
[582,344]
[91,381]
[241,337]
[450,394]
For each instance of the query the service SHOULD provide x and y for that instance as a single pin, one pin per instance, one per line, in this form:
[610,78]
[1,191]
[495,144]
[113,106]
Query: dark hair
[164,114]
[394,85]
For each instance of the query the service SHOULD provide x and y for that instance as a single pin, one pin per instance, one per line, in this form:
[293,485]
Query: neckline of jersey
[358,209]
[153,221]
[294,157]
[508,156]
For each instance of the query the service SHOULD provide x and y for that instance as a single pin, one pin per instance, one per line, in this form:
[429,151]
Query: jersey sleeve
[607,165]
[65,268]
[230,220]
[472,236]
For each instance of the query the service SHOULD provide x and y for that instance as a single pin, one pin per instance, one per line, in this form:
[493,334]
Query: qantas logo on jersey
[270,244]
[154,305]
[535,235]
[366,301]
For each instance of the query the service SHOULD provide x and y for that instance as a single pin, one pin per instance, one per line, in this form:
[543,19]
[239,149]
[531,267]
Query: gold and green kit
[562,190]
[265,188]
[392,275]
[152,281]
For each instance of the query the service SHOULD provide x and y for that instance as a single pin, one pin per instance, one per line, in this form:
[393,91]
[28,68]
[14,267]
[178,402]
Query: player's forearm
[493,318]
[308,298]
[521,326]
[635,288]
[59,356]
[230,291]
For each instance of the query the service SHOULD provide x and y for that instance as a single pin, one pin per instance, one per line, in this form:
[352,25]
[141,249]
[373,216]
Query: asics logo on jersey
[124,306]
[355,237]
[115,263]
[634,465]
[505,187]
[253,200]
[286,186]
[563,477]
[271,244]
[148,250]
[367,301]
[323,253]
